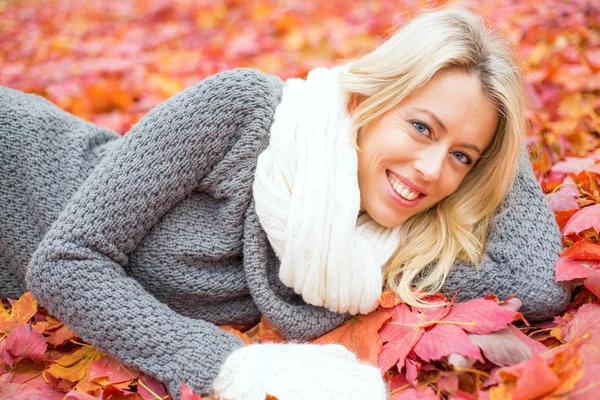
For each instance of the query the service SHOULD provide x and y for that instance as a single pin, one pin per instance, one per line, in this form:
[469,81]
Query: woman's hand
[297,371]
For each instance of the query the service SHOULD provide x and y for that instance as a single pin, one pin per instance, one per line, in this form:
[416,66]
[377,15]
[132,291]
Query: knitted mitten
[297,371]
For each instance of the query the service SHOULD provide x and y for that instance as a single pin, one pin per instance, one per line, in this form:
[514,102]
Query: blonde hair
[456,228]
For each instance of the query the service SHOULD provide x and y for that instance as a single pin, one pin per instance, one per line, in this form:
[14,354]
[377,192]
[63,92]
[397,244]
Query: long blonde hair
[457,227]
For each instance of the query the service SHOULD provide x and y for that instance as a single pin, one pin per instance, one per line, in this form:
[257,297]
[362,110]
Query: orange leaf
[359,334]
[75,366]
[19,314]
[389,299]
[265,332]
[245,338]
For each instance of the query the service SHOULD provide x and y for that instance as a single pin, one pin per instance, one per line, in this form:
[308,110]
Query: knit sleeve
[520,255]
[77,271]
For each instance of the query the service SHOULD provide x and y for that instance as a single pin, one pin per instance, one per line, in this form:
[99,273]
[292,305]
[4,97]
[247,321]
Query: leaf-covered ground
[110,62]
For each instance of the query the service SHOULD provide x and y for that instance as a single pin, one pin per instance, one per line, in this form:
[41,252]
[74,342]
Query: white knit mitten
[297,371]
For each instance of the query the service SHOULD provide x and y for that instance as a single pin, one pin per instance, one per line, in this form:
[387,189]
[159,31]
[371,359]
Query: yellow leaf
[75,366]
[164,86]
[19,314]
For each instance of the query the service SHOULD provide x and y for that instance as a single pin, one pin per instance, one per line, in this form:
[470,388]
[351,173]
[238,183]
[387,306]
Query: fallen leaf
[23,341]
[19,314]
[108,367]
[359,335]
[75,366]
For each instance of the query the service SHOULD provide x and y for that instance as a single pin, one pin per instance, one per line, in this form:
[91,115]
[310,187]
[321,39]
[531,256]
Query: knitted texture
[143,243]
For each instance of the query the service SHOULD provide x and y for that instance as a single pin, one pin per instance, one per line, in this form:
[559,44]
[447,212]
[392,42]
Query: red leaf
[573,165]
[114,393]
[592,283]
[584,219]
[565,198]
[502,347]
[443,340]
[411,393]
[585,324]
[107,367]
[535,346]
[534,378]
[584,249]
[401,333]
[486,315]
[566,270]
[146,384]
[5,357]
[187,393]
[23,341]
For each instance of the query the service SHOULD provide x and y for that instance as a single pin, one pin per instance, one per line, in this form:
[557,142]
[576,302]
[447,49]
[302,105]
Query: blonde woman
[245,195]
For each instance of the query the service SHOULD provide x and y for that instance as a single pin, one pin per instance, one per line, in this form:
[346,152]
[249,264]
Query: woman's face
[425,146]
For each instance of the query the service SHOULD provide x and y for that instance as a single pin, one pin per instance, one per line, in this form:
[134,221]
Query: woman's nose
[429,163]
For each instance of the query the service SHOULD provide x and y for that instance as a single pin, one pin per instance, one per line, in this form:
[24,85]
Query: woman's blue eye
[466,159]
[415,124]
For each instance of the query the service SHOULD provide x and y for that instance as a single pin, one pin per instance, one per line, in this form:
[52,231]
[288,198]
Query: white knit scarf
[307,200]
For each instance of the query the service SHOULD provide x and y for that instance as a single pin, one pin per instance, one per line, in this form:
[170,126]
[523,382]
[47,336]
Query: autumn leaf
[187,393]
[389,299]
[19,314]
[149,388]
[108,367]
[75,366]
[23,341]
[588,217]
[481,316]
[566,269]
[584,249]
[403,332]
[443,340]
[359,335]
[565,196]
[265,332]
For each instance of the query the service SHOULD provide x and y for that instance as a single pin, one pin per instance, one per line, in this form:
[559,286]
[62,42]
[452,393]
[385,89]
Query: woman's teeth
[401,189]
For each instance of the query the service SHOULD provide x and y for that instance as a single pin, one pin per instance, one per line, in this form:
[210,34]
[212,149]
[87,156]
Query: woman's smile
[402,193]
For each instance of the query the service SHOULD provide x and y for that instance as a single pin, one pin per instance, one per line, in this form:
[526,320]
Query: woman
[239,197]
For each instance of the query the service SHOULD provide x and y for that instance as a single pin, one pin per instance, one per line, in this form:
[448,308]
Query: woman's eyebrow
[441,124]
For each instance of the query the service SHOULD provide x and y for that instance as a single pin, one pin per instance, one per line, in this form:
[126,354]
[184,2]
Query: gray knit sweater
[144,243]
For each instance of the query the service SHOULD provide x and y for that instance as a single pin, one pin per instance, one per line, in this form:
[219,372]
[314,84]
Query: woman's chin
[387,219]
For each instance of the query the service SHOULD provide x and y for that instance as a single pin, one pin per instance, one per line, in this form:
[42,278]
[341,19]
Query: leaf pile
[110,62]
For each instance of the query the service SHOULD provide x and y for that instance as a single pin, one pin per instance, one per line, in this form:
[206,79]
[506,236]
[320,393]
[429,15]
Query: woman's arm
[77,270]
[520,256]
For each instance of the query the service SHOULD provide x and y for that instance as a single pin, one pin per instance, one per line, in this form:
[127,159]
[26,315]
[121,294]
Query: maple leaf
[23,341]
[359,335]
[502,347]
[187,393]
[564,197]
[389,299]
[481,316]
[149,388]
[584,249]
[108,367]
[588,217]
[403,332]
[554,374]
[19,314]
[5,356]
[265,332]
[75,366]
[567,269]
[443,340]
